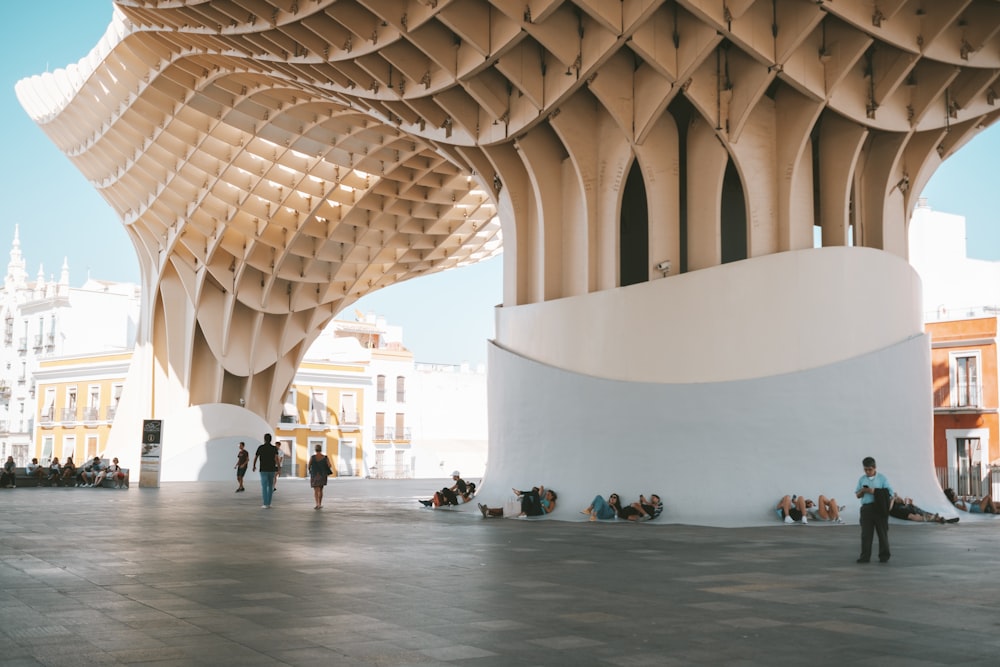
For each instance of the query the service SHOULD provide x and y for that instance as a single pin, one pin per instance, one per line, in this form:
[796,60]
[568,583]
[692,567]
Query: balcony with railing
[91,415]
[22,345]
[109,412]
[384,433]
[969,398]
[973,480]
[403,434]
[38,343]
[68,415]
[47,419]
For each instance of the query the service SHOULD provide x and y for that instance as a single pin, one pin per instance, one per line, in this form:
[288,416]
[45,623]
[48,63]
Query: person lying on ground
[603,509]
[905,509]
[982,506]
[539,501]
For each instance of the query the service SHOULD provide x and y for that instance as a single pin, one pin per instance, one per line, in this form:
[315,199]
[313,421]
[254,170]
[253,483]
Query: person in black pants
[875,493]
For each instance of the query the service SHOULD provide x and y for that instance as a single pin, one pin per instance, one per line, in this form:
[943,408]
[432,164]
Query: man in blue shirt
[875,492]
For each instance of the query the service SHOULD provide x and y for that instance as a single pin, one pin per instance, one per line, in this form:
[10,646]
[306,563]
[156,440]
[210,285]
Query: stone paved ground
[193,574]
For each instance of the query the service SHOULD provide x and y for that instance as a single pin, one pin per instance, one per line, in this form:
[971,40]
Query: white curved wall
[769,315]
[752,403]
[200,443]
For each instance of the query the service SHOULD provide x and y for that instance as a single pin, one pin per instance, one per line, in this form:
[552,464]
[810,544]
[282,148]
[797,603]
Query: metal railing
[976,481]
[390,472]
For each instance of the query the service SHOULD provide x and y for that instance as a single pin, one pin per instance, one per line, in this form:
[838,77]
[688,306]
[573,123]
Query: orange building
[966,388]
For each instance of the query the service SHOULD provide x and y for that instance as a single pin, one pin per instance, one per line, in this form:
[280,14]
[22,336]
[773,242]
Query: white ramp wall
[721,390]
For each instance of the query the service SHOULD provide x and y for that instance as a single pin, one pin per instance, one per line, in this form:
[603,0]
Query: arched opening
[733,230]
[633,230]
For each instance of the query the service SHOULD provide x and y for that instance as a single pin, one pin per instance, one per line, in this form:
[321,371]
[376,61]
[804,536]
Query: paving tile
[193,576]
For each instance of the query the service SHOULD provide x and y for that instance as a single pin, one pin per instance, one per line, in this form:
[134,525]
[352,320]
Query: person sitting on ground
[982,506]
[793,508]
[9,474]
[903,508]
[539,501]
[68,469]
[646,510]
[55,471]
[603,509]
[455,494]
[825,509]
[34,469]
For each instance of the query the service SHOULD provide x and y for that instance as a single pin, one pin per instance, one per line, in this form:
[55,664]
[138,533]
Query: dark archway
[633,230]
[734,217]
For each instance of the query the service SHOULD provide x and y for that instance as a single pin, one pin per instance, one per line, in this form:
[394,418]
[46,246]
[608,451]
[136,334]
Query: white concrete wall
[766,316]
[730,405]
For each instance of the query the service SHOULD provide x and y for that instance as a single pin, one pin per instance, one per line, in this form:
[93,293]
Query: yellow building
[324,407]
[77,399]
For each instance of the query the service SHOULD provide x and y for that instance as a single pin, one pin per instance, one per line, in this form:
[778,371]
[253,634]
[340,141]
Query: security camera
[663,266]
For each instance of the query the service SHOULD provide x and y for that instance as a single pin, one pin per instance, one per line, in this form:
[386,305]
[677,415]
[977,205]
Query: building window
[400,389]
[93,411]
[317,411]
[69,414]
[380,388]
[380,426]
[401,433]
[69,447]
[965,388]
[289,411]
[116,397]
[48,413]
[348,409]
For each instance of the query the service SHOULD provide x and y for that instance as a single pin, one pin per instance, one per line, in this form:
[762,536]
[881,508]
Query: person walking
[242,461]
[875,493]
[319,471]
[267,454]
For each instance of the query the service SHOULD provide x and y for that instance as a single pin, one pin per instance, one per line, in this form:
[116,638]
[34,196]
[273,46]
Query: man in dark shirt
[268,456]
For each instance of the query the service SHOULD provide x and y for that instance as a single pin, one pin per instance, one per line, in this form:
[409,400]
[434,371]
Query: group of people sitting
[92,474]
[799,508]
[612,508]
[458,493]
[539,501]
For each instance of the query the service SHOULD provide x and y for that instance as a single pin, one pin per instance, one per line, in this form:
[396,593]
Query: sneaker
[841,521]
[585,511]
[788,519]
[805,520]
[265,507]
[482,508]
[425,503]
[593,517]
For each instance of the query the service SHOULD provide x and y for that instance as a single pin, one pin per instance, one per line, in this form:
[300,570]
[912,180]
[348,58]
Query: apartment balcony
[109,413]
[288,422]
[91,416]
[402,435]
[38,343]
[22,345]
[946,400]
[349,420]
[68,415]
[47,419]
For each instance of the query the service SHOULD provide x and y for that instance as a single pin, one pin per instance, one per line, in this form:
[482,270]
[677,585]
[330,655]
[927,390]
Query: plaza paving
[194,574]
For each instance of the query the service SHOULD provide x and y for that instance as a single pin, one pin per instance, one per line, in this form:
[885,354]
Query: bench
[23,479]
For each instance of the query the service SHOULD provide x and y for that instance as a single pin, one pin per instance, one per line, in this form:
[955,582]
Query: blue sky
[447,317]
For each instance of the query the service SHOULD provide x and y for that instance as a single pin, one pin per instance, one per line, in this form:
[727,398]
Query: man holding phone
[874,491]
